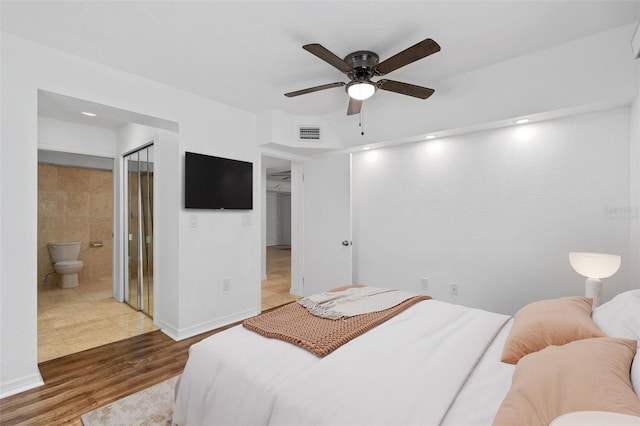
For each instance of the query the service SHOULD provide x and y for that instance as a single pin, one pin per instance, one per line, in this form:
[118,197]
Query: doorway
[279,249]
[76,204]
[139,171]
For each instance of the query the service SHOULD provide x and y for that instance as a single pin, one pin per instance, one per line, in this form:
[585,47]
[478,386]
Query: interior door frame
[297,222]
[297,215]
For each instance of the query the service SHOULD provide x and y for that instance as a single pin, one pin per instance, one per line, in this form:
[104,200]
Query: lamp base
[593,289]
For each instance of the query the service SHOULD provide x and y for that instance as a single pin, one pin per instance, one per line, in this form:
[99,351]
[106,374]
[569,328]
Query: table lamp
[594,266]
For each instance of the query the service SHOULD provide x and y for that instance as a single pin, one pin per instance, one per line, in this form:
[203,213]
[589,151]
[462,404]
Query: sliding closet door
[146,230]
[139,272]
[133,217]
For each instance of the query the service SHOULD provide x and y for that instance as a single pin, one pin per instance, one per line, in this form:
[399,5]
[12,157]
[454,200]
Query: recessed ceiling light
[430,137]
[90,114]
[366,148]
[522,121]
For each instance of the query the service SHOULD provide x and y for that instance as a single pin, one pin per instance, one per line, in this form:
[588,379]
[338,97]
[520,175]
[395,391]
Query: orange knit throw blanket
[294,324]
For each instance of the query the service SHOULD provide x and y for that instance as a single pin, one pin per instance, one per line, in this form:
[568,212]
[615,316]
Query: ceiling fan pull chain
[361,124]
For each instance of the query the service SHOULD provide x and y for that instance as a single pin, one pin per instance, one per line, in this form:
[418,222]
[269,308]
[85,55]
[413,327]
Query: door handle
[347,243]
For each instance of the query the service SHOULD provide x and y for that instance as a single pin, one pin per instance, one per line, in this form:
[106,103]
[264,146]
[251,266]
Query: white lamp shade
[594,265]
[361,90]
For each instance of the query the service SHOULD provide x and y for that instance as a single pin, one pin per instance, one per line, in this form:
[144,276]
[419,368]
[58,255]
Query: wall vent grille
[309,133]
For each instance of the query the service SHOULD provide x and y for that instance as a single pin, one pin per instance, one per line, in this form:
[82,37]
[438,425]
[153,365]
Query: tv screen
[217,183]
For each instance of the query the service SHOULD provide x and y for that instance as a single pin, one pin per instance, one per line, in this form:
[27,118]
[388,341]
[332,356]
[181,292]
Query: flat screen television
[217,183]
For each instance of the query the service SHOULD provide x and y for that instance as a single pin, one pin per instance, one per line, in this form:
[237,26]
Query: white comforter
[406,371]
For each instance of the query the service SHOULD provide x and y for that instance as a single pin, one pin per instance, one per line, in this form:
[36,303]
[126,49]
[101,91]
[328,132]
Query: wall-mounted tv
[217,183]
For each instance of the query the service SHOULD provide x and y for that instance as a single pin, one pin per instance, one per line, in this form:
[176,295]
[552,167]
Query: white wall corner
[167,329]
[264,127]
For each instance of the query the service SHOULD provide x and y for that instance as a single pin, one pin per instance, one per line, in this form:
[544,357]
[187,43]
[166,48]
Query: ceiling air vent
[308,133]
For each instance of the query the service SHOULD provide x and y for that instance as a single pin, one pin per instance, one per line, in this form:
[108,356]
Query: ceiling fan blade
[418,51]
[405,88]
[354,106]
[314,89]
[327,56]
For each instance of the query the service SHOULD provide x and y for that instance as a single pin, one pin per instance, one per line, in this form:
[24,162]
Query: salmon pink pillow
[549,322]
[585,375]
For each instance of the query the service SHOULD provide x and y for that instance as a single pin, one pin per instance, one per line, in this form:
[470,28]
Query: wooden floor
[84,381]
[81,382]
[275,289]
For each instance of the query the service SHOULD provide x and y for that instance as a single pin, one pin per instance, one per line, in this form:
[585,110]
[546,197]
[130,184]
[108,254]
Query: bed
[432,363]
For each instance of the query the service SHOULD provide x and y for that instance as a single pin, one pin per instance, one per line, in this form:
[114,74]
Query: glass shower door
[139,265]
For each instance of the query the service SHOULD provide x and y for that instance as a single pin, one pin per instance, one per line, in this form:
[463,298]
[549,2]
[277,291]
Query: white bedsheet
[232,378]
[482,394]
[406,371]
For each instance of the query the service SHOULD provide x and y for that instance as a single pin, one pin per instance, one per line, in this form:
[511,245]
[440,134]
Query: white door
[327,223]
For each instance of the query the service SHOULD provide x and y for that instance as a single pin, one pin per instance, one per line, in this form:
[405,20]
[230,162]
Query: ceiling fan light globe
[361,90]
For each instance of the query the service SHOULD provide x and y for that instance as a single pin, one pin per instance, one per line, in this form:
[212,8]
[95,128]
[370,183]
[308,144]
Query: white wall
[496,212]
[273,218]
[57,135]
[274,211]
[222,247]
[634,205]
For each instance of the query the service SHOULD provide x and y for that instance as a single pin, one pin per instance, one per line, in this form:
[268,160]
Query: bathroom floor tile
[51,345]
[45,326]
[84,317]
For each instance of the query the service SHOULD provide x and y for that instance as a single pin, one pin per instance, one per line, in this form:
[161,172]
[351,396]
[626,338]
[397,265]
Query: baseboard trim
[185,333]
[167,329]
[21,384]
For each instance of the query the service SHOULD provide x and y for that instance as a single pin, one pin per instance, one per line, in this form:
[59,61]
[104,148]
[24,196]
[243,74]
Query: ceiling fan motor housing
[362,62]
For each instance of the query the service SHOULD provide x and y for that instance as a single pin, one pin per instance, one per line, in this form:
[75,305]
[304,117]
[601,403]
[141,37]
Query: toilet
[64,257]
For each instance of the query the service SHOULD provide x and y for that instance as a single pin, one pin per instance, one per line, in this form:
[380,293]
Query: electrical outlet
[226,284]
[424,284]
[453,289]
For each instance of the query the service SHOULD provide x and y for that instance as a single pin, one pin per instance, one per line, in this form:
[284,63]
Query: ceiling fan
[285,175]
[363,65]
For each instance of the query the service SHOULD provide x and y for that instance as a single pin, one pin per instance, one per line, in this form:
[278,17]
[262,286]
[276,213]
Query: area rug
[149,407]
